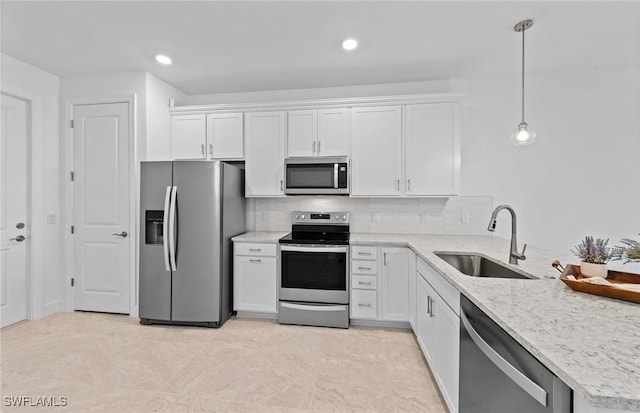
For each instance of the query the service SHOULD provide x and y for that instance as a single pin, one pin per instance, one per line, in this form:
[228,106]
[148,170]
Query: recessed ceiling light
[163,59]
[349,44]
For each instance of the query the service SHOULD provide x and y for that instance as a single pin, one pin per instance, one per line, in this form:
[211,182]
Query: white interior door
[101,207]
[14,226]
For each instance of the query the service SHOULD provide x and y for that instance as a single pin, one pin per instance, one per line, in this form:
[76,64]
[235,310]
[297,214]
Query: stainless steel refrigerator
[189,212]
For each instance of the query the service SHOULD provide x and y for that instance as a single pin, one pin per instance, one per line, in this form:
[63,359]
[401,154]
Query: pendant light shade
[523,135]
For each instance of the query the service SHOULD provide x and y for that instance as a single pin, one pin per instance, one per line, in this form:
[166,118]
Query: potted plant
[594,255]
[629,251]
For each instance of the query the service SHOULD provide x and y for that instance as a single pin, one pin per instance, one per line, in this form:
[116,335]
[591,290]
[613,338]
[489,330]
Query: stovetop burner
[322,228]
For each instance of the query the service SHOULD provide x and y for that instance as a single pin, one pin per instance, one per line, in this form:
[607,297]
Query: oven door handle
[316,249]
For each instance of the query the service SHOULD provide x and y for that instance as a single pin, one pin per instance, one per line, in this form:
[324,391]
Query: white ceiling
[250,46]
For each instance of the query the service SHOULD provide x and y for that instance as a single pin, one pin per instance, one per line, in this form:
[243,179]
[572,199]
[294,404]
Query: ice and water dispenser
[153,232]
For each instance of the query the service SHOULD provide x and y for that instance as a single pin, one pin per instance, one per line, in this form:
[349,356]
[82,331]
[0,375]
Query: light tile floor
[111,363]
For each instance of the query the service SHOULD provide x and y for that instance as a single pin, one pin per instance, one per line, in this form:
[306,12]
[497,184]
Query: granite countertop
[260,236]
[592,343]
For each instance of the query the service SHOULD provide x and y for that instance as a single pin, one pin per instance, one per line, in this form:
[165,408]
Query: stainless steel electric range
[314,274]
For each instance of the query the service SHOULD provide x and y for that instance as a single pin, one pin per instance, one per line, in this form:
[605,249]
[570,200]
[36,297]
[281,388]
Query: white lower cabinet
[255,269]
[364,283]
[438,330]
[394,276]
[379,283]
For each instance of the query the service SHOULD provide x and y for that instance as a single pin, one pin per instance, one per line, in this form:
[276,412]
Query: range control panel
[323,218]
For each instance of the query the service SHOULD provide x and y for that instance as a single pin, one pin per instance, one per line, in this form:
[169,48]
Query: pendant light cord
[523,30]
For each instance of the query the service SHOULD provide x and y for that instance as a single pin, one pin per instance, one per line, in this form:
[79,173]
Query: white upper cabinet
[376,151]
[265,134]
[334,132]
[188,137]
[303,132]
[432,150]
[213,136]
[225,136]
[318,132]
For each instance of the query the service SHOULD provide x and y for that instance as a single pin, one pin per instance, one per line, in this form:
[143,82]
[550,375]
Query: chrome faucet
[514,255]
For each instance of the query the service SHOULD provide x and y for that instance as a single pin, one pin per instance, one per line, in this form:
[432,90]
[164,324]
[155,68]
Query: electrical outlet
[375,217]
[466,218]
[51,218]
[425,218]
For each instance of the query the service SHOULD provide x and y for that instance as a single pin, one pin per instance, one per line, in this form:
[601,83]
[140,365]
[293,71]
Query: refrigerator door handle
[165,229]
[172,228]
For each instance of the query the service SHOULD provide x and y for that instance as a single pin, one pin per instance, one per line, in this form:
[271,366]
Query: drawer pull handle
[363,253]
[364,283]
[251,260]
[255,249]
[364,305]
[364,268]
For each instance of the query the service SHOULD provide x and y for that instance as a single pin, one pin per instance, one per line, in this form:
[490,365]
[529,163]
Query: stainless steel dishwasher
[497,375]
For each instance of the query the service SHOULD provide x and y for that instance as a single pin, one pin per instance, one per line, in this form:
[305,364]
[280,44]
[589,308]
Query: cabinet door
[265,134]
[432,150]
[376,151]
[395,284]
[302,133]
[447,342]
[424,319]
[412,290]
[333,132]
[225,136]
[254,284]
[188,136]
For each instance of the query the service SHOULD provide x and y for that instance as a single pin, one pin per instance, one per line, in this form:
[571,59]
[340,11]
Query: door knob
[123,234]
[19,238]
[20,225]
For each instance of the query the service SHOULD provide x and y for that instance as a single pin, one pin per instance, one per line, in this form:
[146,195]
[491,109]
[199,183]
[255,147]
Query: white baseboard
[255,314]
[380,323]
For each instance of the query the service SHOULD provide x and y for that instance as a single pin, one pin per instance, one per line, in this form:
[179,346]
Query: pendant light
[523,135]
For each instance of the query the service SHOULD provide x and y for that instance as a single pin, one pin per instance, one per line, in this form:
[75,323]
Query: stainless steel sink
[478,266]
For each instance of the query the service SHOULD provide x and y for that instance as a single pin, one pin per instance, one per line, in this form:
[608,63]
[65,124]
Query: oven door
[314,273]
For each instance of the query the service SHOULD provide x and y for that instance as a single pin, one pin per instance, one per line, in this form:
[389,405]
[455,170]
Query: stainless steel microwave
[316,176]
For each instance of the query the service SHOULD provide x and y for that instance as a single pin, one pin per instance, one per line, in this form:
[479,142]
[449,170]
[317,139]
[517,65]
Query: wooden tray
[615,277]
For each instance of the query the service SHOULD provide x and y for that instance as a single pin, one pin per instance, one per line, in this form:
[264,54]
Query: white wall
[158,120]
[42,88]
[581,175]
[109,85]
[151,133]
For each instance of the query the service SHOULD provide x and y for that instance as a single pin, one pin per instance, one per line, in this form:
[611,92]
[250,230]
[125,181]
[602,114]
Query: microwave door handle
[165,229]
[524,382]
[335,175]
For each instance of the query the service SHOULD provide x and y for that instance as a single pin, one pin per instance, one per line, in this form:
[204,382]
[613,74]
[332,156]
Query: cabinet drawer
[365,282]
[263,250]
[364,253]
[364,304]
[364,267]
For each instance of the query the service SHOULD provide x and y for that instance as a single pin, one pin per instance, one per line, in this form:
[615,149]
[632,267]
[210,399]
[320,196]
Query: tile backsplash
[457,215]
